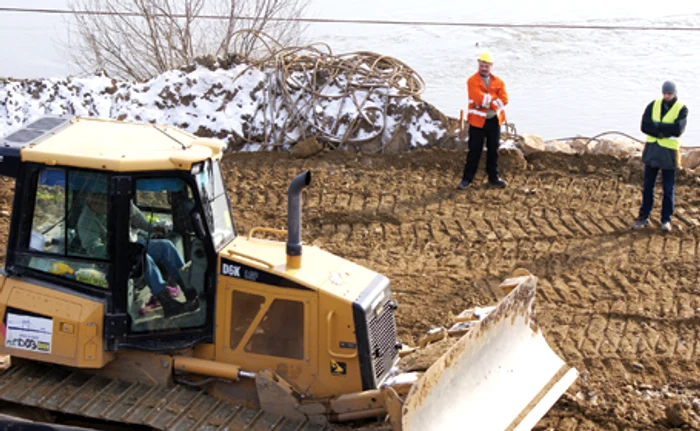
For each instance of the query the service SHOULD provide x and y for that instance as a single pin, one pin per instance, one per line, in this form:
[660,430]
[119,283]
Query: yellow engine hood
[320,270]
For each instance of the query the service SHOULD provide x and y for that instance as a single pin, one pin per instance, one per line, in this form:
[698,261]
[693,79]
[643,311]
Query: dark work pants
[491,132]
[669,180]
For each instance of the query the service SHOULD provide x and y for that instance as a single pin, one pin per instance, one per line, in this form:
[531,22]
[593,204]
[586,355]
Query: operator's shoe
[666,227]
[498,182]
[464,184]
[640,223]
[149,306]
[172,307]
[174,291]
[153,302]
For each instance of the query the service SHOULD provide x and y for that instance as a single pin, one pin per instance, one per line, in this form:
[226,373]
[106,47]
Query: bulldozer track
[59,389]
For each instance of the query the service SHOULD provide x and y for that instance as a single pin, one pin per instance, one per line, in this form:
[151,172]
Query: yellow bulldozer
[128,297]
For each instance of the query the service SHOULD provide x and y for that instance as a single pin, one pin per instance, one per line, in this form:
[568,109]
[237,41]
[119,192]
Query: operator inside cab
[161,256]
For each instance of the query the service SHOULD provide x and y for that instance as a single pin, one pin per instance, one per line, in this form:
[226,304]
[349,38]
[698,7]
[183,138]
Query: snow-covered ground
[242,104]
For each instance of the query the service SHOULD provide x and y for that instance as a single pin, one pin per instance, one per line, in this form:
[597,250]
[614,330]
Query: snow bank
[248,107]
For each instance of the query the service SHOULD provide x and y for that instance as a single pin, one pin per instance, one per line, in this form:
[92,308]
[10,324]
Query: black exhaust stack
[294,219]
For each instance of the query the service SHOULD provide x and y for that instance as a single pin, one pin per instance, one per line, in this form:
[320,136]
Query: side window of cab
[69,237]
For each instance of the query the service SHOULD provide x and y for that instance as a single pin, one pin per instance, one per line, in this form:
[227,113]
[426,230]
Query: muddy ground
[623,307]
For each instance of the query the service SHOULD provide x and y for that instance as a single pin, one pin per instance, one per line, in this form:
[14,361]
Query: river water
[561,82]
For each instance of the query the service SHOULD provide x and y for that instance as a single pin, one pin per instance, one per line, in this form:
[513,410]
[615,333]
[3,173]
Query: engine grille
[382,340]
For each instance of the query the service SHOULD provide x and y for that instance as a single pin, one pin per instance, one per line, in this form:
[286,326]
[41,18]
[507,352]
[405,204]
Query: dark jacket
[655,155]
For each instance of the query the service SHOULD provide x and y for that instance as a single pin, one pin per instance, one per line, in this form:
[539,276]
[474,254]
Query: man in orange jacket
[487,100]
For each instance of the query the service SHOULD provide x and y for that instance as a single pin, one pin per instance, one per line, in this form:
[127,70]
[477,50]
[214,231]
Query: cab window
[69,235]
[215,201]
[168,291]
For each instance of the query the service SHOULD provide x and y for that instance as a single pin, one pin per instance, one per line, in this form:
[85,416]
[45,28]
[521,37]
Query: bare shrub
[139,39]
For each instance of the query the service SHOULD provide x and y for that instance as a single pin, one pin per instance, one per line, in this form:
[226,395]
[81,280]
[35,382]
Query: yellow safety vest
[670,117]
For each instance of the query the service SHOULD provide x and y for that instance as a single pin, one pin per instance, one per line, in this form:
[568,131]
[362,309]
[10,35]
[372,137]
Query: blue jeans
[669,180]
[162,252]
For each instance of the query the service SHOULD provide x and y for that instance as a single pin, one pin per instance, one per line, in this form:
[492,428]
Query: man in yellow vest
[663,122]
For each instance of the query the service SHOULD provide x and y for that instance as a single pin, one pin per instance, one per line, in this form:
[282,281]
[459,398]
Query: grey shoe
[641,223]
[463,185]
[666,227]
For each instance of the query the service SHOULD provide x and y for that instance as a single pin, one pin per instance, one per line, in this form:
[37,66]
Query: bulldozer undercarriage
[58,389]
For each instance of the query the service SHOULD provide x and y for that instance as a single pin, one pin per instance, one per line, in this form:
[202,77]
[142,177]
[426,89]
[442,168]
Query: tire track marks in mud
[621,306]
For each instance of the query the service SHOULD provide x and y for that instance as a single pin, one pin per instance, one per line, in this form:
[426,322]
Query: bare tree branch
[139,39]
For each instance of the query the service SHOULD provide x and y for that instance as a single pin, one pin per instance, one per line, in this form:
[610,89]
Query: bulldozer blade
[501,375]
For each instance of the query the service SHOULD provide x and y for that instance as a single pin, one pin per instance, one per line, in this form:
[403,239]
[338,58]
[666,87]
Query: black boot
[498,182]
[190,293]
[171,307]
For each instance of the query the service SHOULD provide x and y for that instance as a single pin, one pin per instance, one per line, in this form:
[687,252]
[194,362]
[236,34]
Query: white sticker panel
[29,333]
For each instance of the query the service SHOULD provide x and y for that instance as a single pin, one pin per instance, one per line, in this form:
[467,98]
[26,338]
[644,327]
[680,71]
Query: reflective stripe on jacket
[670,118]
[481,99]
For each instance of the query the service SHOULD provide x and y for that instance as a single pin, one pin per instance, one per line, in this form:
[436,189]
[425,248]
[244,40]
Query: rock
[399,142]
[581,145]
[531,144]
[373,146]
[511,160]
[306,148]
[619,148]
[676,415]
[696,405]
[559,147]
[691,160]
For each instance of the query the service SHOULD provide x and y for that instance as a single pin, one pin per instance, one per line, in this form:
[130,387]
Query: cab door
[163,253]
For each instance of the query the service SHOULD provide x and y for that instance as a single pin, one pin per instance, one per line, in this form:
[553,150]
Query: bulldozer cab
[117,236]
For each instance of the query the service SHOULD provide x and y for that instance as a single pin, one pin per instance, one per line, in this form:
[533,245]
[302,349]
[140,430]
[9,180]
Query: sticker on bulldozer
[28,333]
[339,368]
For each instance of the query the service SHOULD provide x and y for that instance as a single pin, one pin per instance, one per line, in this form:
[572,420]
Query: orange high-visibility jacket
[481,99]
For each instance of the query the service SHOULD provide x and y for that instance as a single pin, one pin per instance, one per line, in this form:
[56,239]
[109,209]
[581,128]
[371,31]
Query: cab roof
[108,145]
